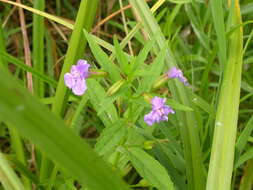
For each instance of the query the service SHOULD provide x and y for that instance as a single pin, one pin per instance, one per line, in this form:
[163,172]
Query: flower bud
[143,183]
[115,87]
[147,97]
[95,73]
[160,81]
[148,145]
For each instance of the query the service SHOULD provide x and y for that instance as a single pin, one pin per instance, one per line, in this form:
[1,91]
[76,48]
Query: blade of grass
[41,13]
[38,46]
[70,153]
[9,58]
[3,65]
[8,177]
[222,153]
[218,19]
[247,178]
[17,146]
[244,136]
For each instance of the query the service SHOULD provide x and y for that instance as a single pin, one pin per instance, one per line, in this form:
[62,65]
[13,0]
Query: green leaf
[245,157]
[244,136]
[121,57]
[154,71]
[174,104]
[97,95]
[103,59]
[111,137]
[150,169]
[48,132]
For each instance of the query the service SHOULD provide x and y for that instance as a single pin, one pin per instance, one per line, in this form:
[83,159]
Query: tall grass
[55,140]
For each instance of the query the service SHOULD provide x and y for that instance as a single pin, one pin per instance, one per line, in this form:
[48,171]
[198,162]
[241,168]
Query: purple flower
[159,111]
[177,73]
[75,80]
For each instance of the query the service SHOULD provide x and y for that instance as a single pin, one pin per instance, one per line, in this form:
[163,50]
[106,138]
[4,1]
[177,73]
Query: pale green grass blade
[218,19]
[223,147]
[8,177]
[48,132]
[38,47]
[41,13]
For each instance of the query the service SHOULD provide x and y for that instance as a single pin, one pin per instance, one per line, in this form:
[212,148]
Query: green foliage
[56,140]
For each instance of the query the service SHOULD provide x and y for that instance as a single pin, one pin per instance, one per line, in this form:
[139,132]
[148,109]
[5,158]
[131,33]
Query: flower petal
[168,110]
[69,80]
[177,73]
[174,73]
[80,87]
[83,68]
[148,118]
[158,102]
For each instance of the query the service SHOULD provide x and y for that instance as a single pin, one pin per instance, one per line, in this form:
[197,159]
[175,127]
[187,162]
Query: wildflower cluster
[76,81]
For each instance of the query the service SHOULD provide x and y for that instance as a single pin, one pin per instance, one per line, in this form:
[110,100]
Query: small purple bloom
[177,73]
[75,80]
[159,111]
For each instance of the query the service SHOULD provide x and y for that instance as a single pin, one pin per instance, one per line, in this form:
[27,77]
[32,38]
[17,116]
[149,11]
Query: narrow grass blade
[218,19]
[38,46]
[223,147]
[244,157]
[52,136]
[9,58]
[17,146]
[8,177]
[3,65]
[244,136]
[247,178]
